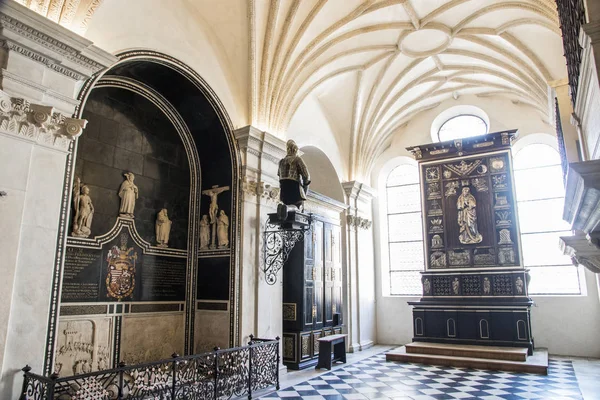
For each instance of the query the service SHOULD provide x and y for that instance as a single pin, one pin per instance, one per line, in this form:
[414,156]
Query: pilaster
[586,115]
[360,273]
[42,68]
[261,303]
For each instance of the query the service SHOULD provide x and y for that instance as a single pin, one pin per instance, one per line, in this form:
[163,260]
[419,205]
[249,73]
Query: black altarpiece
[474,283]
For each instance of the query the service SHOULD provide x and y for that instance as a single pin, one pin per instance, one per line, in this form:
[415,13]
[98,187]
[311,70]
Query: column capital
[37,123]
[358,191]
[42,61]
[260,155]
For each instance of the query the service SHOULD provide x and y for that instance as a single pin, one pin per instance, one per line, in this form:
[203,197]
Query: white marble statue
[163,228]
[204,233]
[223,230]
[214,207]
[84,210]
[128,193]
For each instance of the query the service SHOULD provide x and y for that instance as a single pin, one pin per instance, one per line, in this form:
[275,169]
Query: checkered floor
[374,378]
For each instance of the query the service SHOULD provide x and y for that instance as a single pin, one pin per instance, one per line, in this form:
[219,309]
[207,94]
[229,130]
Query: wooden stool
[339,350]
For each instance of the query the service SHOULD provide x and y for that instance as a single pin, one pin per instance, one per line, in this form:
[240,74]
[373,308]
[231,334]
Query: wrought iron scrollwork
[572,15]
[278,242]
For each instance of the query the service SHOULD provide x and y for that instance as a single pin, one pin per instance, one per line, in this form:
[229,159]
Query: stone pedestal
[42,67]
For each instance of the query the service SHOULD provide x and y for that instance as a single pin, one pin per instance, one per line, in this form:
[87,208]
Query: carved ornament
[38,123]
[358,222]
[261,189]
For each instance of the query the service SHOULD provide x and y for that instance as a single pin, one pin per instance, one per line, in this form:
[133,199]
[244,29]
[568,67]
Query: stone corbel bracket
[261,189]
[358,222]
[38,123]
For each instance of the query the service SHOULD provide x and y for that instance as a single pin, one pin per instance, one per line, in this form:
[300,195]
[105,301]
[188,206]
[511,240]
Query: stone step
[535,364]
[488,352]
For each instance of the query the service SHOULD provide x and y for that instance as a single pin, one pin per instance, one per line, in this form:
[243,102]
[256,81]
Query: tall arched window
[405,232]
[540,200]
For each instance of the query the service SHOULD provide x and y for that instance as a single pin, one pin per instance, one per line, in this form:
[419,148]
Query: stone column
[42,68]
[359,287]
[261,303]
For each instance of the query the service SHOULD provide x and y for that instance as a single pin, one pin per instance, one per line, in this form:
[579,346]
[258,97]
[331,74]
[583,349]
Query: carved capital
[261,189]
[358,222]
[38,123]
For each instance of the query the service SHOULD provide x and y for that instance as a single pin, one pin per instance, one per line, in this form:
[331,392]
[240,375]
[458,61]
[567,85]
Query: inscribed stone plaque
[81,279]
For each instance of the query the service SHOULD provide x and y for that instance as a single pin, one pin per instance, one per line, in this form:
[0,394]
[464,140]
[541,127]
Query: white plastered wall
[566,325]
[216,48]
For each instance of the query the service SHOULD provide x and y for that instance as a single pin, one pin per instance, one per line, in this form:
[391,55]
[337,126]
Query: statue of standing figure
[84,210]
[467,218]
[204,233]
[163,228]
[128,192]
[223,230]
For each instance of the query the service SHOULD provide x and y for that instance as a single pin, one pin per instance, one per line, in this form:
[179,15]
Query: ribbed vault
[72,14]
[401,56]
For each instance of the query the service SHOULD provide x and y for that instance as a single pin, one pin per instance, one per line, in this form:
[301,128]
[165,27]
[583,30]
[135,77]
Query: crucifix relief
[213,210]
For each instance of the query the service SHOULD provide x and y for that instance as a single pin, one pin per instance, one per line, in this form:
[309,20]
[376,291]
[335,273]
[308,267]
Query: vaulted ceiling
[388,60]
[373,65]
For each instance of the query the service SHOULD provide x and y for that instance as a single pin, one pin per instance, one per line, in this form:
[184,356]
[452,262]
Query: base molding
[366,344]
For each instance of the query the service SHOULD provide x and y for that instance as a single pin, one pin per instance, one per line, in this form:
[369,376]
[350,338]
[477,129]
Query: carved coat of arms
[120,279]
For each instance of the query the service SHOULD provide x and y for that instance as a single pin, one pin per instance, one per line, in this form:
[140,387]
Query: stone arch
[324,178]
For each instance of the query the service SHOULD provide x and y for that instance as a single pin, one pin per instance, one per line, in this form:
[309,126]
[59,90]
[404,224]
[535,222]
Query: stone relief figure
[426,286]
[467,218]
[163,228]
[223,230]
[293,177]
[486,285]
[455,286]
[84,210]
[204,232]
[519,285]
[128,192]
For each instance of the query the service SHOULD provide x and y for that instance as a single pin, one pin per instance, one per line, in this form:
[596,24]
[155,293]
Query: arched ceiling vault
[403,57]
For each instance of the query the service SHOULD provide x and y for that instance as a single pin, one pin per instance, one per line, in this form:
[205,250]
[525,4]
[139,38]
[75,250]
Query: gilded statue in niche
[467,218]
[128,192]
[84,210]
[163,228]
[223,230]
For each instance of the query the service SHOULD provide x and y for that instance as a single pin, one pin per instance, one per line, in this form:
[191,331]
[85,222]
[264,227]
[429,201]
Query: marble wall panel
[211,330]
[83,345]
[151,337]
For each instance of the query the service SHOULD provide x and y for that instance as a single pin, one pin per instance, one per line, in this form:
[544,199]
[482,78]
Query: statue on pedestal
[163,228]
[204,232]
[467,218]
[293,177]
[223,230]
[128,192]
[84,210]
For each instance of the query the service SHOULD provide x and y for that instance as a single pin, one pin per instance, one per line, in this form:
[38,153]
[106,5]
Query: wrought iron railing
[220,374]
[572,15]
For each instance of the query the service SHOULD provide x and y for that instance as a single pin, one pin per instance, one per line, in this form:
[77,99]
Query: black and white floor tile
[374,378]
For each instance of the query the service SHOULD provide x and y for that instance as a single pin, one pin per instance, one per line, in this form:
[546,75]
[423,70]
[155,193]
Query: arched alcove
[154,117]
[324,178]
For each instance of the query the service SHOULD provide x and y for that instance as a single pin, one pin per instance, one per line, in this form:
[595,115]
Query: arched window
[462,126]
[459,122]
[405,232]
[540,200]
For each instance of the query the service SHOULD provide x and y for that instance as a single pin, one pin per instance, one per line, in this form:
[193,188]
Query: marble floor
[368,376]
